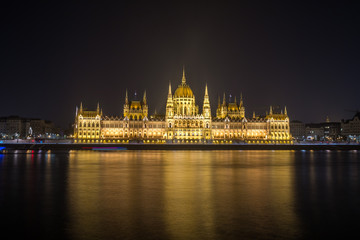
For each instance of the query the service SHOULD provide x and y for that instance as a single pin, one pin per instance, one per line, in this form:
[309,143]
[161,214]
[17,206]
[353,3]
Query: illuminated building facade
[182,122]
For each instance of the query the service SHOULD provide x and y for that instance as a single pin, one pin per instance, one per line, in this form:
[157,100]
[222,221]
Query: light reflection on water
[181,194]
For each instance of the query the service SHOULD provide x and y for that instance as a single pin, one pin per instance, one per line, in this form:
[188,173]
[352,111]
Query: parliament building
[182,122]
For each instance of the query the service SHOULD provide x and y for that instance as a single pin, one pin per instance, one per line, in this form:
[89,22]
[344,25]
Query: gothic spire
[241,100]
[271,111]
[98,108]
[285,111]
[206,96]
[126,97]
[170,88]
[224,100]
[144,98]
[81,107]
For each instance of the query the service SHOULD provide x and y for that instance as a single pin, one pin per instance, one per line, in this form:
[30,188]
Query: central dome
[183,91]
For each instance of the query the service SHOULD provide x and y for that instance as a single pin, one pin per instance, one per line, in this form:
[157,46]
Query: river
[180,195]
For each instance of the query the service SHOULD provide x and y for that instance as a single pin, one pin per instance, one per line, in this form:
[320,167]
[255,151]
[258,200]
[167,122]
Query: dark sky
[302,55]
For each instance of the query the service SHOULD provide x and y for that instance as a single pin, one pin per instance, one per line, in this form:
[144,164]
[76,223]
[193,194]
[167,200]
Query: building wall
[297,130]
[18,127]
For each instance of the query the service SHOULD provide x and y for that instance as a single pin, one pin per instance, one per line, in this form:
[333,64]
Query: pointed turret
[81,108]
[144,98]
[241,106]
[224,100]
[169,89]
[101,112]
[206,96]
[206,104]
[126,105]
[183,80]
[98,108]
[169,104]
[271,111]
[235,99]
[241,100]
[145,106]
[126,97]
[285,111]
[254,115]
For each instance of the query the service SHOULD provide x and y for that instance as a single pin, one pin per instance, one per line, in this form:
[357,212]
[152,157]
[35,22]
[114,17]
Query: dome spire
[183,81]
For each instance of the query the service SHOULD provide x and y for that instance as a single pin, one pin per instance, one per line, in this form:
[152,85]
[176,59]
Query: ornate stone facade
[182,122]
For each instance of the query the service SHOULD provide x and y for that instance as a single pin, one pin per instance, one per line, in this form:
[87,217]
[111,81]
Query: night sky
[302,55]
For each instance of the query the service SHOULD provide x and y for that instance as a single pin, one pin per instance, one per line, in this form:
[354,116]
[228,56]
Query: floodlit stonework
[182,123]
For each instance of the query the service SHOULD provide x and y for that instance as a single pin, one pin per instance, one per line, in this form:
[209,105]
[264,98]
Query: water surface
[181,195]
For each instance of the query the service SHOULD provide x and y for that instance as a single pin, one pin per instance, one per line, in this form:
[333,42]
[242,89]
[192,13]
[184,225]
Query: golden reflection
[187,193]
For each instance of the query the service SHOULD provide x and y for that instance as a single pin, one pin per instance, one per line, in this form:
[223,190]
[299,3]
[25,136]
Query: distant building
[297,130]
[12,127]
[351,128]
[314,131]
[325,131]
[15,127]
[332,131]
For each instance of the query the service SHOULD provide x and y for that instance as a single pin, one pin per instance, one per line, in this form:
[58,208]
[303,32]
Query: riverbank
[8,147]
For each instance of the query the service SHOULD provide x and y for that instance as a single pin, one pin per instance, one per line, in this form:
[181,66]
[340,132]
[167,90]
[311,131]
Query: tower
[169,116]
[241,107]
[223,108]
[207,115]
[169,104]
[206,105]
[145,107]
[126,105]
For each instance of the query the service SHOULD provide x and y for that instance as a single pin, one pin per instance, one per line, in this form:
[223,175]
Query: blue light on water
[108,148]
